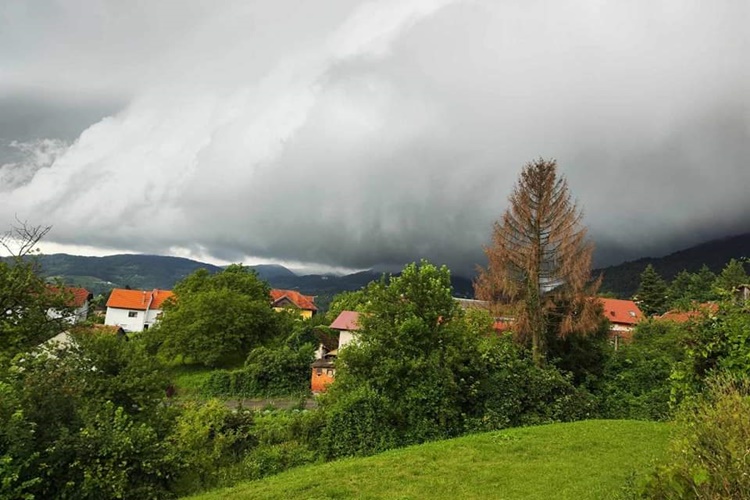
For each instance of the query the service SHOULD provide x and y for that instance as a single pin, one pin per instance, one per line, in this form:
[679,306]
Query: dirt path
[279,403]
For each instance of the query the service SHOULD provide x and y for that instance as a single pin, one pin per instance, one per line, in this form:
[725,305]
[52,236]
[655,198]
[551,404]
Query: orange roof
[138,299]
[296,298]
[621,311]
[79,295]
[685,316]
[347,320]
[502,325]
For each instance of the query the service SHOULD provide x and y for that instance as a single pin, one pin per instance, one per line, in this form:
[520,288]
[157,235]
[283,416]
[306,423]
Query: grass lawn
[580,460]
[188,379]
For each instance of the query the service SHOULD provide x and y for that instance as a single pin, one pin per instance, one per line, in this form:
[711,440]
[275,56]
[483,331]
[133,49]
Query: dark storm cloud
[352,135]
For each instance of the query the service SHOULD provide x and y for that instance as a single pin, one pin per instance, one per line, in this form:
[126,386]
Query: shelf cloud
[355,134]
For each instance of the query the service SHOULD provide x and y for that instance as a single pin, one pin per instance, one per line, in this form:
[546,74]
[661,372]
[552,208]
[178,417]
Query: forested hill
[623,279]
[100,274]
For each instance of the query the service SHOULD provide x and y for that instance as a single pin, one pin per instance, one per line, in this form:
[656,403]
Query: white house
[347,324]
[135,310]
[75,298]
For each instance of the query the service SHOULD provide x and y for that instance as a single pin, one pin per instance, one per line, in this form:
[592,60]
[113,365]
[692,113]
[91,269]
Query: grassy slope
[579,460]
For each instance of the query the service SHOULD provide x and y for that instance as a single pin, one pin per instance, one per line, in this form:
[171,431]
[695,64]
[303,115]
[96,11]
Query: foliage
[714,342]
[636,382]
[24,302]
[86,423]
[540,257]
[513,391]
[414,355]
[347,301]
[359,422]
[215,316]
[708,458]
[209,438]
[652,294]
[278,371]
[732,276]
[579,461]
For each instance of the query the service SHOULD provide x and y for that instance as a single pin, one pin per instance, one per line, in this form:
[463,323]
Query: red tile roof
[347,320]
[301,301]
[685,316]
[78,296]
[502,325]
[624,312]
[138,299]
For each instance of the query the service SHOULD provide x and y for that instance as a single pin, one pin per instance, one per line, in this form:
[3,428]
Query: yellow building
[286,299]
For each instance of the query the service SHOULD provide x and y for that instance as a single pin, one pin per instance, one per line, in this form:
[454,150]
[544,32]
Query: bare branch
[22,238]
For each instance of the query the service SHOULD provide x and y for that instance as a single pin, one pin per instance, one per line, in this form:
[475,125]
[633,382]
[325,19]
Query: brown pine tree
[539,262]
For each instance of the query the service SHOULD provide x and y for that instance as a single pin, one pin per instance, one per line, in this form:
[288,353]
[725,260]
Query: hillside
[623,279]
[100,274]
[580,460]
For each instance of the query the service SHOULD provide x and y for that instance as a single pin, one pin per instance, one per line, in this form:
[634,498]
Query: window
[132,314]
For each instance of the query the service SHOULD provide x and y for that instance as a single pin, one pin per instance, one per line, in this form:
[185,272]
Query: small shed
[323,372]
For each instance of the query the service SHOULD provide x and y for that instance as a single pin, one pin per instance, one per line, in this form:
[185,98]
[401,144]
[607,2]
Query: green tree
[702,285]
[24,295]
[414,361]
[214,317]
[86,421]
[652,294]
[732,276]
[679,291]
[540,258]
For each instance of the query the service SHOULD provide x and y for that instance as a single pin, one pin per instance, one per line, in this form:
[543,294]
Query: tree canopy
[213,316]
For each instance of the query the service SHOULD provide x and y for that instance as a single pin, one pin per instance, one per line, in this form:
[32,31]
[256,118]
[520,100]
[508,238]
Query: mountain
[623,279]
[101,274]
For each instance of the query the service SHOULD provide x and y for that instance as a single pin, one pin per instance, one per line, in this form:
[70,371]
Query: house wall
[72,318]
[305,313]
[345,337]
[321,378]
[119,317]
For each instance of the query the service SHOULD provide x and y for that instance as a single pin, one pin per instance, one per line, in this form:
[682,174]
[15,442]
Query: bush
[637,380]
[515,392]
[218,383]
[268,372]
[358,423]
[709,457]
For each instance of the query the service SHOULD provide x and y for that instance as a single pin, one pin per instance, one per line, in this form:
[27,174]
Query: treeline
[688,290]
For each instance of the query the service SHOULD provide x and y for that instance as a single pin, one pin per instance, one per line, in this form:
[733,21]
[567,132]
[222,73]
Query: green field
[582,460]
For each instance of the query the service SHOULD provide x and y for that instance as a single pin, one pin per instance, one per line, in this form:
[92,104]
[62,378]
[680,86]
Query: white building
[135,310]
[75,298]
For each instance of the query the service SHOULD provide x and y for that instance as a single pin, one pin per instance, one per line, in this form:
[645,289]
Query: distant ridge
[623,279]
[101,274]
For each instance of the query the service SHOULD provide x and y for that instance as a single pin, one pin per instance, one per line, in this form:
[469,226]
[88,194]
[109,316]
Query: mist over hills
[623,279]
[100,274]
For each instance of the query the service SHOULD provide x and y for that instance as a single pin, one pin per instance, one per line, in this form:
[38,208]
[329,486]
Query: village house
[698,310]
[135,310]
[323,368]
[286,299]
[76,298]
[623,315]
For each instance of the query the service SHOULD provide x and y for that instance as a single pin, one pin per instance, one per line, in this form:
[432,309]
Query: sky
[345,135]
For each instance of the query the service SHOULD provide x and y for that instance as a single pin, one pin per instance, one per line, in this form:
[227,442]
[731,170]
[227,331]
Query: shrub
[515,392]
[709,457]
[218,383]
[209,438]
[358,423]
[637,378]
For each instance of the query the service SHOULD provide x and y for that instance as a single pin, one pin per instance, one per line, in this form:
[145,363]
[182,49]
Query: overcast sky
[351,134]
